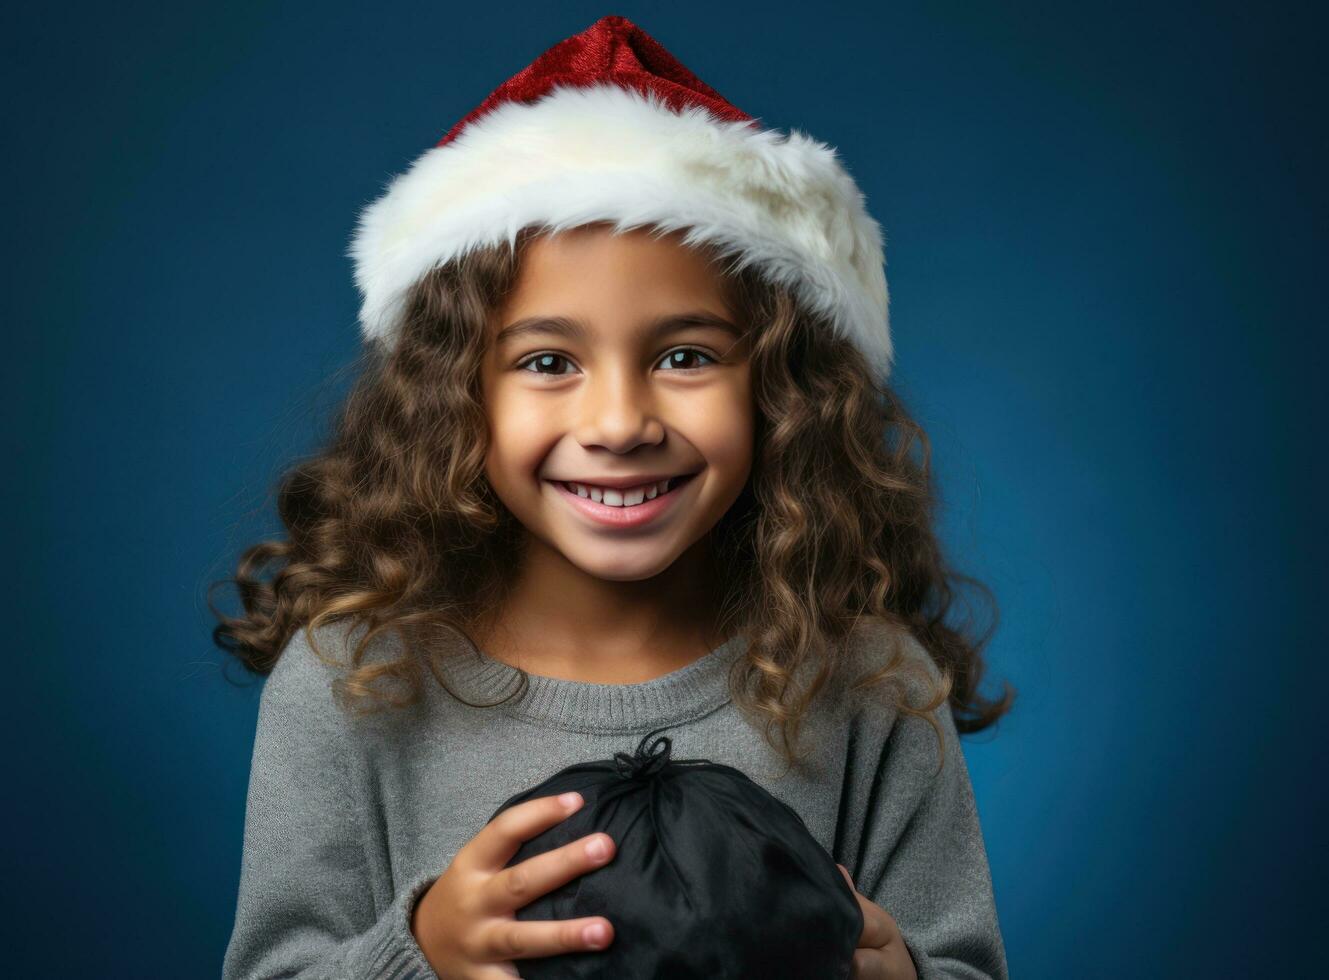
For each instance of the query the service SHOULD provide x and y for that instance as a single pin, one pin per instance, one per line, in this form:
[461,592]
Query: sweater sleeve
[924,859]
[305,907]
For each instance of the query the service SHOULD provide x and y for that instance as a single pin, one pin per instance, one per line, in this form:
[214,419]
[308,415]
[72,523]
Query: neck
[560,621]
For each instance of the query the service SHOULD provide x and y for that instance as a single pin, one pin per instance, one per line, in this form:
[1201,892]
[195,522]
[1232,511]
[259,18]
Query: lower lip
[624,517]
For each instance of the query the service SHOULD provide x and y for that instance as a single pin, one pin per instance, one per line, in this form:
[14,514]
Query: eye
[541,360]
[676,359]
[674,356]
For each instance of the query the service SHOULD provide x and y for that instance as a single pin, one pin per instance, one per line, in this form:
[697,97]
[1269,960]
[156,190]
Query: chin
[620,568]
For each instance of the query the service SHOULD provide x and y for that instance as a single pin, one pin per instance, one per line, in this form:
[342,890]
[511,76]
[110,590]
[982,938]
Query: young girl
[621,456]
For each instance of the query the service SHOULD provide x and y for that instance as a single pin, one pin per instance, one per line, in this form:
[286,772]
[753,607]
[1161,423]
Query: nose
[617,411]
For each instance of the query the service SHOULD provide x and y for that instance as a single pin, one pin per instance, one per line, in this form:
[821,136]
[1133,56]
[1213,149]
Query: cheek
[517,441]
[722,428]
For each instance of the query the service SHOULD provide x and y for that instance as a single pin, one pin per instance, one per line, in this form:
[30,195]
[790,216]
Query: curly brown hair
[393,526]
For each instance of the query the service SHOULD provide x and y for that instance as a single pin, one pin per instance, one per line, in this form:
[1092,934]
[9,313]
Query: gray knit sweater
[349,818]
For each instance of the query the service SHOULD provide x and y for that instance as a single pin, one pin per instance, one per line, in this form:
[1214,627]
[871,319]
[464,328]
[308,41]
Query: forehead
[593,270]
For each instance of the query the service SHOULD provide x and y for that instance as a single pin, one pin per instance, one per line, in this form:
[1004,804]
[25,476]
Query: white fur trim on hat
[608,153]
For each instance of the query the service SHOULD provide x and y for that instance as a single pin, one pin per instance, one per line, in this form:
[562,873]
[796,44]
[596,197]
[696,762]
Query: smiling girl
[619,404]
[621,456]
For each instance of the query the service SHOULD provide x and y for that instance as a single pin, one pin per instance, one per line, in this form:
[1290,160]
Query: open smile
[628,516]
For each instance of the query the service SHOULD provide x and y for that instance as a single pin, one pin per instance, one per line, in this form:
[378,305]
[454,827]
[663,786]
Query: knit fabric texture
[350,818]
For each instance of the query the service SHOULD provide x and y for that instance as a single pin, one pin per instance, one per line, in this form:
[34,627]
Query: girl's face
[620,389]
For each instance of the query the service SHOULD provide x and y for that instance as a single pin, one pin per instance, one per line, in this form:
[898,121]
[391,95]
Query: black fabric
[712,877]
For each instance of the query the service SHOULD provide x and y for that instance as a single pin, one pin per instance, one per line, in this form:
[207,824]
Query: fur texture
[608,153]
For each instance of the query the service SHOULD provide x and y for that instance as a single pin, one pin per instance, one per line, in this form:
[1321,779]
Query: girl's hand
[881,953]
[464,923]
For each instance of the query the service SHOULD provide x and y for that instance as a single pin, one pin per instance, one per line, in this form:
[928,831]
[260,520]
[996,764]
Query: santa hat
[608,126]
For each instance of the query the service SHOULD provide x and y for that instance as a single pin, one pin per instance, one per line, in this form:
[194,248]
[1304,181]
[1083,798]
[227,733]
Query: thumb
[847,877]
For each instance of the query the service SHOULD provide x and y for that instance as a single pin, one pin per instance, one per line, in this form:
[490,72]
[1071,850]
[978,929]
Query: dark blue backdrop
[1106,249]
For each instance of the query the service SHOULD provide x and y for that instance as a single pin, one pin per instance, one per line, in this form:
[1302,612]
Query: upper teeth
[626,497]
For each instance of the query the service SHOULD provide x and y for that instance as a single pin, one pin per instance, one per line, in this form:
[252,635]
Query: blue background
[1106,245]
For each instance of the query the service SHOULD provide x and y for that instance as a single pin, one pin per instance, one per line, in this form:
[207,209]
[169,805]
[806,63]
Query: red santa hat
[608,126]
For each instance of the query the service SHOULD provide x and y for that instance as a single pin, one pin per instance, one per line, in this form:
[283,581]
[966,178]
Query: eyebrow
[576,329]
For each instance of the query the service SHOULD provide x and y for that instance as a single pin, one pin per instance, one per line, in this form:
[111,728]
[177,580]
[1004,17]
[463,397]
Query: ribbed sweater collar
[678,696]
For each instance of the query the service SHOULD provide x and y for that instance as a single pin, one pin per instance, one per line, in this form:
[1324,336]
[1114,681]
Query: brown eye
[678,359]
[542,360]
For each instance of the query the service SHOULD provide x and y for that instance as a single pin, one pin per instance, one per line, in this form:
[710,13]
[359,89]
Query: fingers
[484,893]
[508,889]
[881,952]
[890,962]
[498,840]
[512,939]
[879,928]
[517,886]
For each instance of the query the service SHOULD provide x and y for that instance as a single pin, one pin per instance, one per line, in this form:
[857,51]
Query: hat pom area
[712,876]
[628,136]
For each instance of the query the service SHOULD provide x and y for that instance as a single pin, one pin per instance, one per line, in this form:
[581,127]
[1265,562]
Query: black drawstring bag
[712,877]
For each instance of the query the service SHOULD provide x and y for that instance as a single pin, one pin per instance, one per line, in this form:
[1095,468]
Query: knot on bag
[644,763]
